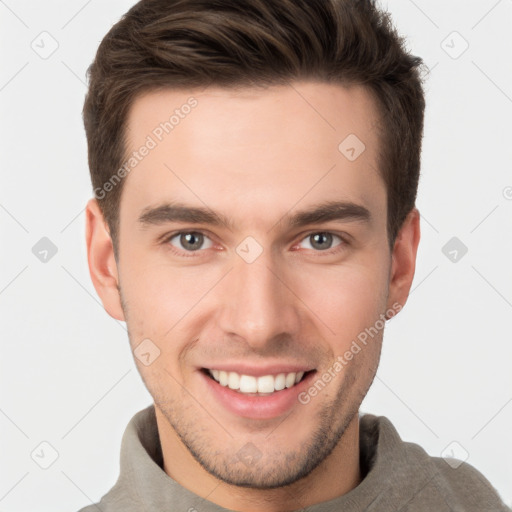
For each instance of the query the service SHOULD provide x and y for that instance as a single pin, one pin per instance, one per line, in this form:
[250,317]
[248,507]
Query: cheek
[160,298]
[346,299]
[148,285]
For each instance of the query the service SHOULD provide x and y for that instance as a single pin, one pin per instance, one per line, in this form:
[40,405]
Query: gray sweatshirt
[399,477]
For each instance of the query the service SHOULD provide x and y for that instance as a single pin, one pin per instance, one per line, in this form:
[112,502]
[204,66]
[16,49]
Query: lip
[256,407]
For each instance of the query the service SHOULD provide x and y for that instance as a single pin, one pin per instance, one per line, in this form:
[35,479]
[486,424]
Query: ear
[102,263]
[403,259]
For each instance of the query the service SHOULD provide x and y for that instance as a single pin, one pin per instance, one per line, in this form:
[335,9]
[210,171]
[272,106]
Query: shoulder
[423,480]
[458,479]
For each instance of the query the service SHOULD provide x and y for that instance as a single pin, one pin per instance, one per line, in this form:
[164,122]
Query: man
[255,166]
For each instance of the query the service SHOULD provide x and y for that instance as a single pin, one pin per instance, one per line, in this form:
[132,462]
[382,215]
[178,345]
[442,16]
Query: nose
[257,304]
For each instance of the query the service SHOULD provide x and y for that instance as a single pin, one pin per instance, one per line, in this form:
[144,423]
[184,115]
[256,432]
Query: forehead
[245,149]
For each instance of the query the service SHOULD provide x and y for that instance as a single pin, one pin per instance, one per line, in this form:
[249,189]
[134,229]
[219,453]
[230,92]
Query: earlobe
[102,264]
[403,262]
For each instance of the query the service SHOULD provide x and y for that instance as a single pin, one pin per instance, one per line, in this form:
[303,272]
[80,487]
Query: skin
[238,153]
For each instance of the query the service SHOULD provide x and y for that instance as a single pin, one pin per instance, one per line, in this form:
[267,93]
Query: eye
[321,241]
[190,241]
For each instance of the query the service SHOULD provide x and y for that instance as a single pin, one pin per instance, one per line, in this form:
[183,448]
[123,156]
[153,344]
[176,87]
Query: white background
[67,374]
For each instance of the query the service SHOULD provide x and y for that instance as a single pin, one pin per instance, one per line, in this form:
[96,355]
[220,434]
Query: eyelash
[192,254]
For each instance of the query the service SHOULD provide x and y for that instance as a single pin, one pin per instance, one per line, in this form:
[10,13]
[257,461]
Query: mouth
[250,385]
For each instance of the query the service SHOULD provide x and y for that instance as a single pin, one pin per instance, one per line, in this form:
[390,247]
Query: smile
[249,384]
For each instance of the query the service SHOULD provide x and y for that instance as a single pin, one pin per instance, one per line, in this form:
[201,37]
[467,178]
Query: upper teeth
[251,384]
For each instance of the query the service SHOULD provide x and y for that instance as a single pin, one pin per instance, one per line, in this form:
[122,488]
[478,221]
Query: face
[253,250]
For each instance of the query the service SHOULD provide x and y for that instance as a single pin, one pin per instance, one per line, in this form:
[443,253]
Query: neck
[338,474]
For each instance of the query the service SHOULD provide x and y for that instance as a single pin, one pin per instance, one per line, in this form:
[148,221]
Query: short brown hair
[230,43]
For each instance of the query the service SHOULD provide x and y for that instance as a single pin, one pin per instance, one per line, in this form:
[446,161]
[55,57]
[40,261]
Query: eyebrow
[323,212]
